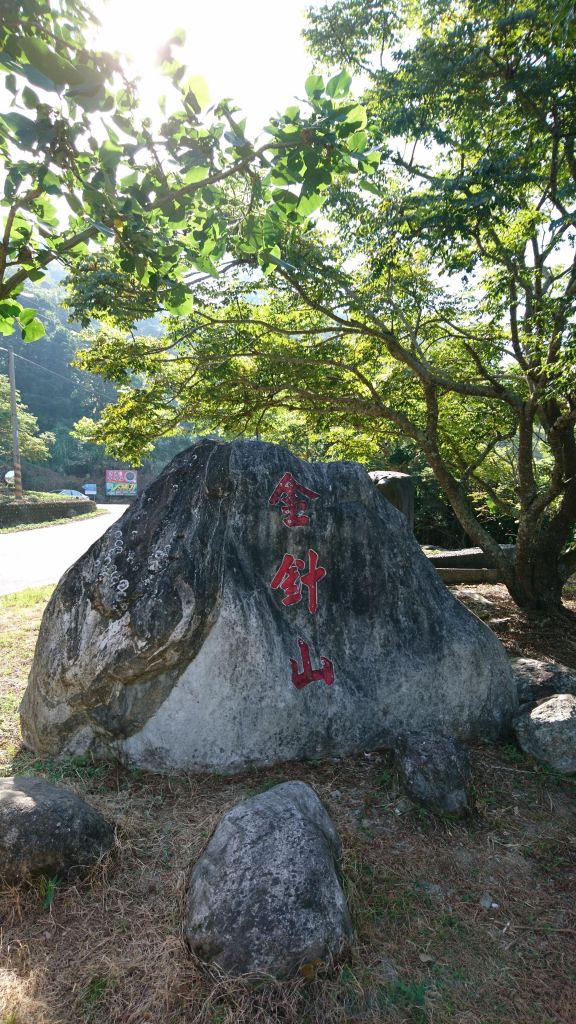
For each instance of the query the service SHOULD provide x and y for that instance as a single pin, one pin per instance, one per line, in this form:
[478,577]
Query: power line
[39,366]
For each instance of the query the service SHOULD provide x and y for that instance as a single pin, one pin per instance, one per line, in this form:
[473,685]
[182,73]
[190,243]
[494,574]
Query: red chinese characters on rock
[289,578]
[294,498]
[309,674]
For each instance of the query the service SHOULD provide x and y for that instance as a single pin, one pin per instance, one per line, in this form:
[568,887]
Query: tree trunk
[534,577]
[536,583]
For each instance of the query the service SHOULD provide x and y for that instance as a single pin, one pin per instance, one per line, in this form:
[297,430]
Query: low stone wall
[466,558]
[454,575]
[43,511]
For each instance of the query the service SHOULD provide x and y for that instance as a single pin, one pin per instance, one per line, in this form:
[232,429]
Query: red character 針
[309,674]
[293,497]
[290,580]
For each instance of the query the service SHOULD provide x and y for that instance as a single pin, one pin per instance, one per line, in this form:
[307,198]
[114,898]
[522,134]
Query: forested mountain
[58,394]
[53,390]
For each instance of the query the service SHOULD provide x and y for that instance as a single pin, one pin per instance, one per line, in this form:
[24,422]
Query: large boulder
[251,608]
[548,732]
[265,897]
[47,830]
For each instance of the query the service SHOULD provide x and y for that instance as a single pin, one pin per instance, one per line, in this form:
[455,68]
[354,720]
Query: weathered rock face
[265,897]
[47,830]
[252,608]
[548,732]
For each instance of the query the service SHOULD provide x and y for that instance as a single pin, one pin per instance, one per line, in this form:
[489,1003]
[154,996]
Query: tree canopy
[172,200]
[434,299]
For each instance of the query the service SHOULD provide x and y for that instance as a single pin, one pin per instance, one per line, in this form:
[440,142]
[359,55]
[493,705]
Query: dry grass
[110,951]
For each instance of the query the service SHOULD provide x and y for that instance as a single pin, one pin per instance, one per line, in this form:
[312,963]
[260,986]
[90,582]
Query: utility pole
[14,422]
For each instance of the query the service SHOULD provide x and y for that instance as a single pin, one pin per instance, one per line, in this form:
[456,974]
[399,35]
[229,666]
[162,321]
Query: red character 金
[293,497]
[309,674]
[290,580]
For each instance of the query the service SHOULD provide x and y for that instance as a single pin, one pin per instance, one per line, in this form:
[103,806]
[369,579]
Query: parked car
[72,494]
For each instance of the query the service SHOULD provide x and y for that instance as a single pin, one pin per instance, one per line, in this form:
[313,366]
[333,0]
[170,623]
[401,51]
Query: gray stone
[167,646]
[548,732]
[265,898]
[398,489]
[538,678]
[47,830]
[487,902]
[467,558]
[435,771]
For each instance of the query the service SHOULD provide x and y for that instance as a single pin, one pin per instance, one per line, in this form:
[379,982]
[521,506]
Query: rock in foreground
[435,772]
[548,732]
[252,608]
[47,830]
[264,897]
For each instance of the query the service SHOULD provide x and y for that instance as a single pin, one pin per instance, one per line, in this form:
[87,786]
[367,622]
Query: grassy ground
[32,497]
[54,522]
[468,923]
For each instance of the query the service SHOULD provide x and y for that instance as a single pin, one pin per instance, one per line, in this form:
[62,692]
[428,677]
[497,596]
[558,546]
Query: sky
[249,50]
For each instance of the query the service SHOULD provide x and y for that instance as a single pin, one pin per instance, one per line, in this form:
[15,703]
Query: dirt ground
[456,923]
[521,635]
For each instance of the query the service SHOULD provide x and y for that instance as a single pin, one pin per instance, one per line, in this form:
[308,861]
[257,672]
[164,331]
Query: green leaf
[22,127]
[196,174]
[357,142]
[6,326]
[308,204]
[10,309]
[183,307]
[58,70]
[88,81]
[285,199]
[33,331]
[26,316]
[198,86]
[29,72]
[74,203]
[30,98]
[357,116]
[339,85]
[314,86]
[370,187]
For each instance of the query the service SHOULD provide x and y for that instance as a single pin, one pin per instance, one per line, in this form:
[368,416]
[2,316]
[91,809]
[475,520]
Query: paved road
[33,558]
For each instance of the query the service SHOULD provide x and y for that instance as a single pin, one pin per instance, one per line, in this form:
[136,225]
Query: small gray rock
[548,732]
[265,898]
[537,679]
[47,830]
[487,902]
[435,771]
